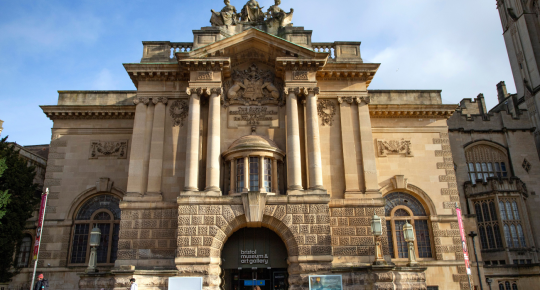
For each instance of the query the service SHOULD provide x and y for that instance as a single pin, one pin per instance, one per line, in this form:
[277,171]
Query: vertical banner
[40,223]
[463,241]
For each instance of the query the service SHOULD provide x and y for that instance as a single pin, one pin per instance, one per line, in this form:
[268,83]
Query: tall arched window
[24,251]
[485,161]
[101,211]
[402,207]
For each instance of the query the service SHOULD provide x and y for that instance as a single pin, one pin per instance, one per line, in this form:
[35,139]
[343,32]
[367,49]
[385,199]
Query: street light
[489,281]
[408,233]
[376,230]
[95,236]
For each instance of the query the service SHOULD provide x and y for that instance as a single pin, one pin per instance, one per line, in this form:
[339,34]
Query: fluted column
[213,147]
[192,147]
[294,162]
[274,176]
[155,167]
[136,158]
[368,149]
[313,140]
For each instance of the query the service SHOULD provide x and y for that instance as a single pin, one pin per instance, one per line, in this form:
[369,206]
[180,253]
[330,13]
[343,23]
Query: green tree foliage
[17,179]
[4,195]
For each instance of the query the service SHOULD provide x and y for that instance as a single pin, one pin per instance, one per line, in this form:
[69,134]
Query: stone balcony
[495,185]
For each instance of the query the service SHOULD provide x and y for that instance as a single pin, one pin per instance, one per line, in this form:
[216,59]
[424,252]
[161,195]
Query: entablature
[89,112]
[411,111]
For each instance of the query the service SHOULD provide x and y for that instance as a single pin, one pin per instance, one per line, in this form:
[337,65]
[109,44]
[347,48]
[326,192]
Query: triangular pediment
[253,45]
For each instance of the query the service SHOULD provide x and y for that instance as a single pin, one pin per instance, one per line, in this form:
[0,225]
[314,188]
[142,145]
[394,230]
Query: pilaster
[192,144]
[155,166]
[368,148]
[136,161]
[350,167]
[213,147]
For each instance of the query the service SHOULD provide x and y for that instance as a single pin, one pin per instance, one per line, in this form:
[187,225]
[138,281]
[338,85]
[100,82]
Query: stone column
[233,176]
[148,143]
[294,162]
[274,177]
[368,149]
[136,158]
[261,174]
[246,174]
[313,140]
[213,146]
[192,147]
[155,166]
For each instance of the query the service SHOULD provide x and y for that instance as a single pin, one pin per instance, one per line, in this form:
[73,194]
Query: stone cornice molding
[141,100]
[157,100]
[89,112]
[411,111]
[295,64]
[155,72]
[346,71]
[222,64]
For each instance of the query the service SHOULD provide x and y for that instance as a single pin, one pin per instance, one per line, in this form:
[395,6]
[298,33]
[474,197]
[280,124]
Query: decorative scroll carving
[394,147]
[179,111]
[300,75]
[141,100]
[326,110]
[108,149]
[253,87]
[157,100]
[205,75]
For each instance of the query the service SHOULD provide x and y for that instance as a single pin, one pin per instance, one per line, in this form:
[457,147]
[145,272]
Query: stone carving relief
[252,87]
[179,111]
[300,75]
[394,147]
[326,110]
[116,149]
[205,75]
[252,14]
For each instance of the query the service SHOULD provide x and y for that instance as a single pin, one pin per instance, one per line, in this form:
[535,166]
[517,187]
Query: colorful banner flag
[40,224]
[463,241]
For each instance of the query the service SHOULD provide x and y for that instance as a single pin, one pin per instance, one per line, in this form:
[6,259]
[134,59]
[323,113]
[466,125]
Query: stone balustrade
[495,185]
[163,51]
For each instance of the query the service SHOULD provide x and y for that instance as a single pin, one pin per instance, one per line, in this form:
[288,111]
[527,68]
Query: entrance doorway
[252,259]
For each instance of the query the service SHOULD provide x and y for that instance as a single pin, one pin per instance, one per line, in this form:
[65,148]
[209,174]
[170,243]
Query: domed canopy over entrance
[254,257]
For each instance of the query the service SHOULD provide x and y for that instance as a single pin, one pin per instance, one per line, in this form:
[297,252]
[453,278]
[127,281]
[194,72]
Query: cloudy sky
[45,46]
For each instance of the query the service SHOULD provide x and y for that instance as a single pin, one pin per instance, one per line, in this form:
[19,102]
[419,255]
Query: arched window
[485,161]
[101,211]
[402,207]
[24,251]
[510,217]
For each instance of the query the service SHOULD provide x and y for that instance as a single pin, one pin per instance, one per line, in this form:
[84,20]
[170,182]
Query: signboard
[251,257]
[185,283]
[463,241]
[325,282]
[40,224]
[254,282]
[239,116]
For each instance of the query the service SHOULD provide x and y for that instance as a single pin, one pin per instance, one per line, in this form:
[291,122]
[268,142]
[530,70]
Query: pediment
[252,45]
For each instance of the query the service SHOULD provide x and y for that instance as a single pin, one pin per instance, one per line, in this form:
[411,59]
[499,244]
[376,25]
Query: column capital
[215,90]
[157,100]
[348,100]
[197,91]
[365,99]
[141,100]
[311,90]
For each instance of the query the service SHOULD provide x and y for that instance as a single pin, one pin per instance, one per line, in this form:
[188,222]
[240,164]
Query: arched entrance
[254,257]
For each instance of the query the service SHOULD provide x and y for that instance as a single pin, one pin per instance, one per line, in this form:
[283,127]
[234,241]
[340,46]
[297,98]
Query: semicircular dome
[250,142]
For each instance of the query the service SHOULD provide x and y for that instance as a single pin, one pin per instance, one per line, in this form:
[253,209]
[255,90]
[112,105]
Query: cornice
[154,71]
[411,111]
[348,71]
[89,112]
[222,64]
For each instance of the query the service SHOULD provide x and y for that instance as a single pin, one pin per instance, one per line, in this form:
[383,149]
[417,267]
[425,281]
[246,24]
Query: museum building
[251,154]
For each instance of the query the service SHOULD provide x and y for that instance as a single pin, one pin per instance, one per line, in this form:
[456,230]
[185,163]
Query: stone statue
[227,16]
[276,15]
[252,12]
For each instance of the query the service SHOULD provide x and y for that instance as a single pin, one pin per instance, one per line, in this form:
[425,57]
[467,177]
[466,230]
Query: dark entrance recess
[254,257]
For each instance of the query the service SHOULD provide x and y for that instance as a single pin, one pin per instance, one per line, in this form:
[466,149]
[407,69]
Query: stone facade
[250,125]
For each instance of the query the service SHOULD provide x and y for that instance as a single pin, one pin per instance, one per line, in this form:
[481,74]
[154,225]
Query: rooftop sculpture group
[252,14]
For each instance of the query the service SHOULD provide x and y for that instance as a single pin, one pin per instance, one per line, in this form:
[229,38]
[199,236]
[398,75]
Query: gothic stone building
[250,141]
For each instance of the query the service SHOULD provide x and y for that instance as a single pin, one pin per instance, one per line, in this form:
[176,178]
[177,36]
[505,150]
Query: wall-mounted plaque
[241,116]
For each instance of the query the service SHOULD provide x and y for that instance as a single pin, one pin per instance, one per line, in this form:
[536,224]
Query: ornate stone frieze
[394,147]
[116,149]
[300,75]
[157,100]
[205,75]
[179,111]
[253,87]
[141,100]
[326,110]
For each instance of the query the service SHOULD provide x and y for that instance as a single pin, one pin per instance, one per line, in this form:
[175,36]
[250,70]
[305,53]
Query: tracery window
[402,207]
[101,211]
[24,251]
[485,161]
[488,224]
[507,285]
[510,217]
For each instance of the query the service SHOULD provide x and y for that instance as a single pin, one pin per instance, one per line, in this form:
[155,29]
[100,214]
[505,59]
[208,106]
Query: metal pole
[472,235]
[40,233]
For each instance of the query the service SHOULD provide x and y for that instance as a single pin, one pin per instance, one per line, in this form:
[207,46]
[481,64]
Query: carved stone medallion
[108,149]
[253,87]
[179,111]
[326,110]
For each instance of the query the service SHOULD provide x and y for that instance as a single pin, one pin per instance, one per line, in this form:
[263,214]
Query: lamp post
[408,233]
[95,236]
[472,235]
[489,280]
[376,230]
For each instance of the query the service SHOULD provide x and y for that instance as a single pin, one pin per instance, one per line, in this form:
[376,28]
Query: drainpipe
[472,235]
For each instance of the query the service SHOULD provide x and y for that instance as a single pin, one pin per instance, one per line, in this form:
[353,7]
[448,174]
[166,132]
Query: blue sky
[46,46]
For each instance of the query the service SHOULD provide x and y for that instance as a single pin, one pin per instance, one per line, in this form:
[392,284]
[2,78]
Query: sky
[45,46]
